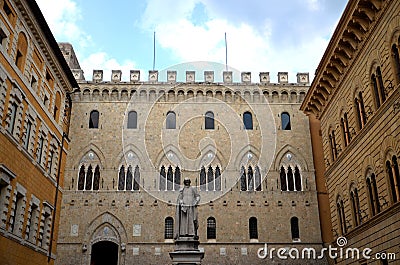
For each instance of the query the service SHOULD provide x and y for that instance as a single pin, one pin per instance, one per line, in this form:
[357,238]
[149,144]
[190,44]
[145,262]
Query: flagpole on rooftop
[154,50]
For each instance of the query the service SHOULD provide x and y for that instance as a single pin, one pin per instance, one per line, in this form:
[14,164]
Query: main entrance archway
[104,253]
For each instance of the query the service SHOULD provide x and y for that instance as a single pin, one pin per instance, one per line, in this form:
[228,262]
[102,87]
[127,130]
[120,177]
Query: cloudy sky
[262,35]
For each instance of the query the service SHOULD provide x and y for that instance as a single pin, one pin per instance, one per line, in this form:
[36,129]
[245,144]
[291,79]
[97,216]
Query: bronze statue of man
[186,211]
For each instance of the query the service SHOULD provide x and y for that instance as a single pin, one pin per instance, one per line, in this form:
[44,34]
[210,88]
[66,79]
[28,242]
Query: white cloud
[63,19]
[249,49]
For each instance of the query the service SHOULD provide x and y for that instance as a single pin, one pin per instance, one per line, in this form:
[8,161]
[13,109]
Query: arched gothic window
[290,179]
[94,119]
[253,230]
[243,180]
[136,178]
[170,122]
[257,179]
[81,178]
[282,176]
[22,48]
[373,195]
[378,87]
[361,115]
[392,169]
[96,178]
[170,178]
[210,179]
[209,120]
[121,178]
[248,121]
[202,178]
[132,120]
[341,216]
[89,176]
[250,178]
[129,178]
[294,227]
[217,179]
[211,228]
[285,117]
[344,124]
[162,178]
[355,205]
[169,228]
[177,179]
[396,60]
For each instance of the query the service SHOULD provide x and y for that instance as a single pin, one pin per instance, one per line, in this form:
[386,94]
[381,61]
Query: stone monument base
[186,252]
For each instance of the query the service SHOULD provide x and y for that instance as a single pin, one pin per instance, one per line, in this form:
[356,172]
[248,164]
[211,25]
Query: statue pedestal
[186,252]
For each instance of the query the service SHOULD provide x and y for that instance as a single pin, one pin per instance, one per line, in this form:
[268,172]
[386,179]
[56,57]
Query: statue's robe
[186,211]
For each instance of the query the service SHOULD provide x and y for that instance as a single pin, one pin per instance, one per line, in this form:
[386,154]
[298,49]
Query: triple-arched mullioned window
[250,178]
[290,178]
[89,177]
[210,178]
[128,178]
[170,178]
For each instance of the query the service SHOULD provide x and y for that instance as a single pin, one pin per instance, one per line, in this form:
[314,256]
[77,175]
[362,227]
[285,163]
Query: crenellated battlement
[190,77]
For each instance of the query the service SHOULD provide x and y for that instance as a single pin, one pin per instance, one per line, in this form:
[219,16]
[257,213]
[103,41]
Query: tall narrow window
[89,177]
[373,195]
[94,119]
[355,205]
[170,122]
[81,178]
[294,228]
[250,179]
[217,179]
[39,151]
[211,228]
[210,179]
[170,179]
[121,178]
[209,120]
[13,117]
[396,61]
[397,176]
[136,178]
[248,121]
[257,179]
[341,217]
[31,231]
[243,181]
[177,179]
[378,88]
[27,134]
[129,178]
[16,217]
[297,179]
[392,170]
[169,228]
[290,179]
[344,124]
[282,175]
[361,115]
[132,120]
[162,178]
[332,142]
[50,163]
[202,178]
[253,230]
[96,178]
[286,121]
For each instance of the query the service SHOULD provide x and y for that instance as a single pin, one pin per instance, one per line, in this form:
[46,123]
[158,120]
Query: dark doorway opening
[104,253]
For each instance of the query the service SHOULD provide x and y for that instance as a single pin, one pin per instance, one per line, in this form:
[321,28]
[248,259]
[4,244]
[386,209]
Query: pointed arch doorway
[104,253]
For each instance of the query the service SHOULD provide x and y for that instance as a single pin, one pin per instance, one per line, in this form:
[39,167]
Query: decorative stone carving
[135,75]
[227,76]
[283,77]
[153,76]
[97,75]
[190,76]
[78,74]
[171,76]
[209,76]
[264,77]
[116,75]
[246,77]
[303,78]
